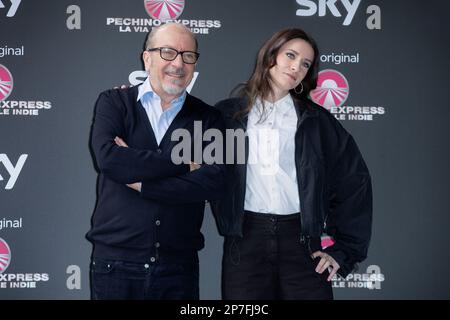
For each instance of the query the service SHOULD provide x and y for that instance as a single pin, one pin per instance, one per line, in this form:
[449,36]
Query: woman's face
[293,61]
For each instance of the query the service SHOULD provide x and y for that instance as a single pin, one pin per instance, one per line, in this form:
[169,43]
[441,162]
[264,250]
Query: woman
[303,178]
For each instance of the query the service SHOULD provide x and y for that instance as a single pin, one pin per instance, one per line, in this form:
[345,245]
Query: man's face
[169,78]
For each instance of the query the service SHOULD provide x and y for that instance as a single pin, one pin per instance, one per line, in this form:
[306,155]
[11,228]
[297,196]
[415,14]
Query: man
[146,224]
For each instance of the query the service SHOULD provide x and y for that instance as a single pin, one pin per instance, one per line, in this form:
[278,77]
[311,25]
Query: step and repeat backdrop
[384,75]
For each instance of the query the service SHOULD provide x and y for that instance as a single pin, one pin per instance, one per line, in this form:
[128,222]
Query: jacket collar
[181,120]
[305,108]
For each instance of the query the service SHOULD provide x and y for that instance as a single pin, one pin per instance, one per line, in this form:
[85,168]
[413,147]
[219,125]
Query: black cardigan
[168,213]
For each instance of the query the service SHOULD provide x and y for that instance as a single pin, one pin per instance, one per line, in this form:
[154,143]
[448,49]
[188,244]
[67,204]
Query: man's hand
[124,86]
[135,186]
[326,261]
[120,142]
[194,166]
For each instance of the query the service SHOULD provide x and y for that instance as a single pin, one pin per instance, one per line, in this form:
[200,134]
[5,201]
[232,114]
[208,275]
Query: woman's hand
[326,261]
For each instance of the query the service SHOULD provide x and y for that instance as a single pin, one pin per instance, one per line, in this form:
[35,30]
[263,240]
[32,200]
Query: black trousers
[270,262]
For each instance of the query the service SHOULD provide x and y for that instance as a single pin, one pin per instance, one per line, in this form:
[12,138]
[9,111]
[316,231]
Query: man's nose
[178,61]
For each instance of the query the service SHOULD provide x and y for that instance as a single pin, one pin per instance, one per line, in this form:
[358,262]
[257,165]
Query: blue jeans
[162,280]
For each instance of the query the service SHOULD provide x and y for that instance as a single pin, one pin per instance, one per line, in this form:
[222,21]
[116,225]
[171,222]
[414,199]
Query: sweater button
[159,151]
[152,259]
[157,222]
[157,244]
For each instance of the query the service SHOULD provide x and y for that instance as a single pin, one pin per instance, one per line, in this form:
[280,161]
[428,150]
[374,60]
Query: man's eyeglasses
[169,54]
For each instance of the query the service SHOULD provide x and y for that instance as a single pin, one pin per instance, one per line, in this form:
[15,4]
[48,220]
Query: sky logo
[13,9]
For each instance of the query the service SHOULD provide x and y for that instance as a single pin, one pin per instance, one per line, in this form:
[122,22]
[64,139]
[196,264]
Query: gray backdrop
[61,57]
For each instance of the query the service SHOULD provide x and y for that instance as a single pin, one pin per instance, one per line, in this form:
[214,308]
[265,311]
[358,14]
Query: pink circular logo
[164,9]
[6,82]
[332,89]
[5,255]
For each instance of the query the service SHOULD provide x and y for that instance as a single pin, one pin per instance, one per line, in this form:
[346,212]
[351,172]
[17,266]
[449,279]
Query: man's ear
[147,58]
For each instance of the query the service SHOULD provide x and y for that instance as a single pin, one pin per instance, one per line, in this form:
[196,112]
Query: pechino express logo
[16,280]
[332,89]
[5,255]
[13,107]
[6,82]
[371,279]
[164,10]
[160,12]
[332,92]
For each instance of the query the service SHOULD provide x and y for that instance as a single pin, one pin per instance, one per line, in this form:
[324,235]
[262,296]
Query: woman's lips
[291,76]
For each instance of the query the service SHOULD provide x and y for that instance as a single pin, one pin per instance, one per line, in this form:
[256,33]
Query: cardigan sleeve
[206,183]
[124,165]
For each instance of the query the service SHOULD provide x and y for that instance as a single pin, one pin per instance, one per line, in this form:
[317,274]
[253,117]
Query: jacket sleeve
[206,183]
[124,165]
[350,214]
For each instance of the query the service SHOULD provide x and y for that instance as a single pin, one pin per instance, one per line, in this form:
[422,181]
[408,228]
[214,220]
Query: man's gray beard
[173,90]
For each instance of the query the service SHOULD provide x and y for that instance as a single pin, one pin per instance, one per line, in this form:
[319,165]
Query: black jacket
[168,213]
[333,181]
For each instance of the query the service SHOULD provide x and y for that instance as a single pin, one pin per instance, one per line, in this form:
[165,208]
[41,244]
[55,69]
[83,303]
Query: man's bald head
[149,43]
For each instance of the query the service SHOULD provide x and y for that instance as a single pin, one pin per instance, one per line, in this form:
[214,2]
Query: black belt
[270,216]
